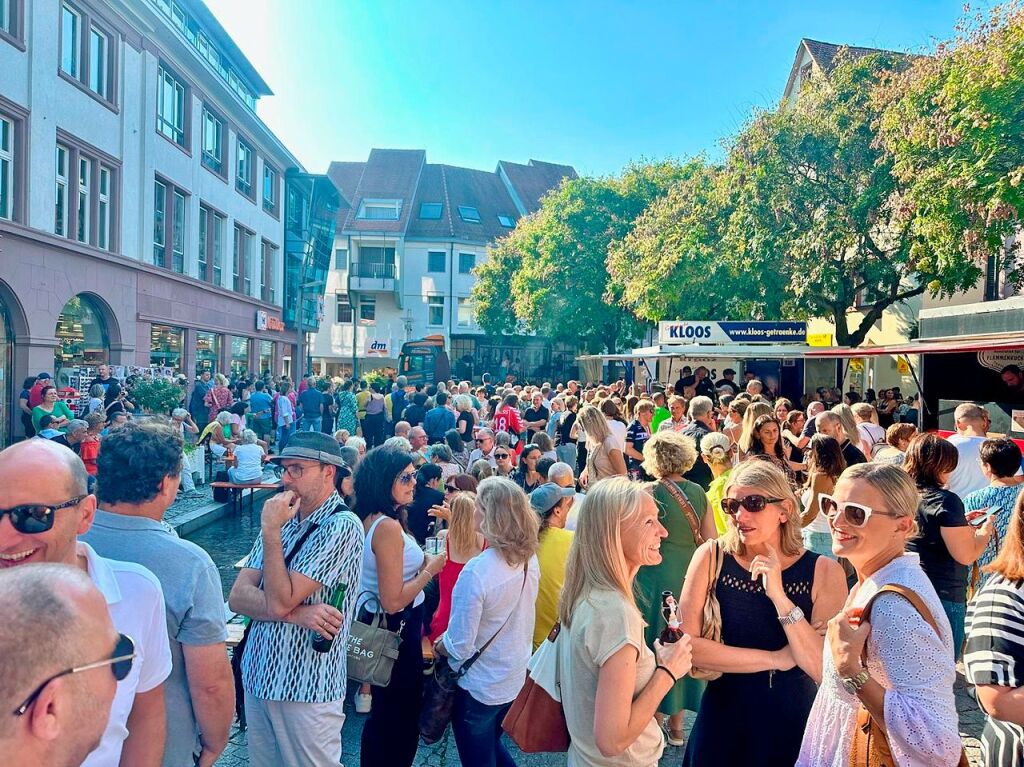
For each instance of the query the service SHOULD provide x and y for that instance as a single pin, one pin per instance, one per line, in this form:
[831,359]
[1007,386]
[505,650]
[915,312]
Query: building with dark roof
[409,234]
[814,57]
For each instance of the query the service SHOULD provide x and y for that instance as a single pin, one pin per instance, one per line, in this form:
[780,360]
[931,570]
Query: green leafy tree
[818,207]
[953,126]
[550,274]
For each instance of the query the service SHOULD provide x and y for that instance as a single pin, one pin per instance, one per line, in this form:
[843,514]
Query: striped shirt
[995,656]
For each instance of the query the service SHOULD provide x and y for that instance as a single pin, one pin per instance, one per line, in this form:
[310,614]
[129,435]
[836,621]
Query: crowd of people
[821,556]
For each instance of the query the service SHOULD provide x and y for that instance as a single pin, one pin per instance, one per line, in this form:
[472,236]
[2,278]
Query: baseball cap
[312,446]
[44,374]
[544,498]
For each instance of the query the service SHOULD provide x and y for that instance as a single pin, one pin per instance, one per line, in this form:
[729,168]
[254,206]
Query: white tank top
[412,562]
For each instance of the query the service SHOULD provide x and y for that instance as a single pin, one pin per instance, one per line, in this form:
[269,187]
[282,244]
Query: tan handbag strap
[911,596]
[714,567]
[688,512]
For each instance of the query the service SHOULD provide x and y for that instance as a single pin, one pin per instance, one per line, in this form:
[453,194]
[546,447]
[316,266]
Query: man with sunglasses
[39,523]
[139,469]
[60,661]
[310,545]
[484,448]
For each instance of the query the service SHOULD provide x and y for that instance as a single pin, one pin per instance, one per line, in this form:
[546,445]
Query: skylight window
[506,221]
[469,213]
[431,211]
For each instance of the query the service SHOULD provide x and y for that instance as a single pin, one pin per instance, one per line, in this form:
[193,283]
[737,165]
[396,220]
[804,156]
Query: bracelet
[665,669]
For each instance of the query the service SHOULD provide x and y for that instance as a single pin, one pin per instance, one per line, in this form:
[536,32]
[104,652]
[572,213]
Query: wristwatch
[854,683]
[793,616]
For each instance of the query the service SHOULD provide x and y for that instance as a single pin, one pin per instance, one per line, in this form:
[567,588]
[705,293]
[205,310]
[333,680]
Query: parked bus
[424,361]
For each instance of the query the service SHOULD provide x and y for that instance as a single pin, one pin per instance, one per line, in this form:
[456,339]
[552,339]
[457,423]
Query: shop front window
[207,353]
[239,356]
[81,340]
[266,357]
[167,347]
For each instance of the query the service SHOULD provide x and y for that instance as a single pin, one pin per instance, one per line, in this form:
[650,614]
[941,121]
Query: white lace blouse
[912,663]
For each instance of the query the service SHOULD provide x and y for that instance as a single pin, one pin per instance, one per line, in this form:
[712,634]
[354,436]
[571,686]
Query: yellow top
[551,556]
[715,493]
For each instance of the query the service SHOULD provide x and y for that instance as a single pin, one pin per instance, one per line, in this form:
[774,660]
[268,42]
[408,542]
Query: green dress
[676,552]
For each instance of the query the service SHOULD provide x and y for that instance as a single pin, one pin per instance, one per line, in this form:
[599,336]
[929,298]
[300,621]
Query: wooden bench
[238,491]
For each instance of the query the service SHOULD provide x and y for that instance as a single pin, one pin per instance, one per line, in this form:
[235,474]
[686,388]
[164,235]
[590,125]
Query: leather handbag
[870,746]
[439,691]
[711,622]
[536,721]
[373,649]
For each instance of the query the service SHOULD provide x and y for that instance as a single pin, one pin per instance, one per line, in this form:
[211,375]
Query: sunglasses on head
[120,662]
[753,503]
[857,514]
[35,518]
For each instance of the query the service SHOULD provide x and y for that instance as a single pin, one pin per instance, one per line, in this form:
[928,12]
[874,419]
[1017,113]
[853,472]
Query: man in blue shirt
[311,401]
[261,408]
[438,420]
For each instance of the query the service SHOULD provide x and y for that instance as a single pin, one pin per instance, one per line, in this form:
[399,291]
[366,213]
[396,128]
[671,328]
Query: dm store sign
[702,332]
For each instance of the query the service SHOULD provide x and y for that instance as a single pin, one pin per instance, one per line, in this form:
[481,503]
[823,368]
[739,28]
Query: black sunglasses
[120,662]
[754,503]
[35,517]
[501,456]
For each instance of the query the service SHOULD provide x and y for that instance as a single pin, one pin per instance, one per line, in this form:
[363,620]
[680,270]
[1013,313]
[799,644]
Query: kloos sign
[706,332]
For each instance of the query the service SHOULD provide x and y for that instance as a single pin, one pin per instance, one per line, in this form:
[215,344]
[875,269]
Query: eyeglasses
[36,518]
[754,503]
[407,478]
[501,456]
[120,662]
[294,470]
[481,441]
[857,514]
[451,489]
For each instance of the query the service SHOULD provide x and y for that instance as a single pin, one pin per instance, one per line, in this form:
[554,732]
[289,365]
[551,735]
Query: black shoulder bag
[239,651]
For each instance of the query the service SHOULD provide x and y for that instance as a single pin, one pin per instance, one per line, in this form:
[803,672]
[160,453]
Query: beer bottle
[320,642]
[672,632]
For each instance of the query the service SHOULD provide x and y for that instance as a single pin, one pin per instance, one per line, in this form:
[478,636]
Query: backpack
[878,443]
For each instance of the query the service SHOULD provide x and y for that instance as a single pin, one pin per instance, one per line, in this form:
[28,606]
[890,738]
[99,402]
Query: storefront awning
[708,351]
[992,343]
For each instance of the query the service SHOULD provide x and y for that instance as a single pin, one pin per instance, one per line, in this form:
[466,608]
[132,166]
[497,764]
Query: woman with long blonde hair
[604,452]
[463,542]
[772,594]
[617,681]
[494,596]
[849,422]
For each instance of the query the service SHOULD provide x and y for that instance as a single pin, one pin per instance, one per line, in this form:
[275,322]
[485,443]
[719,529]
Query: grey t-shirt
[195,608]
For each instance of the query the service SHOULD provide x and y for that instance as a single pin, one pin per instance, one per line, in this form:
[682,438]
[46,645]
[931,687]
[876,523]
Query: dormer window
[380,210]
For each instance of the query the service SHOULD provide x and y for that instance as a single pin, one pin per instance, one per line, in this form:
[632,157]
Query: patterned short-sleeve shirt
[279,661]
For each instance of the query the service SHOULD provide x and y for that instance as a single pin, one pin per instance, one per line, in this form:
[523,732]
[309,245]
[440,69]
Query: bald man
[63,510]
[55,623]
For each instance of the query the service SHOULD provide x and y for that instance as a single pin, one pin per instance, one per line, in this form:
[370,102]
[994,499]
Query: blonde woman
[617,681]
[733,426]
[604,455]
[494,597]
[719,453]
[754,411]
[668,455]
[849,422]
[219,397]
[907,683]
[771,592]
[463,542]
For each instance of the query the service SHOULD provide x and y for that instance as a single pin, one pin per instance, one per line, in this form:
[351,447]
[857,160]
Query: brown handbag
[684,504]
[711,620]
[870,746]
[536,721]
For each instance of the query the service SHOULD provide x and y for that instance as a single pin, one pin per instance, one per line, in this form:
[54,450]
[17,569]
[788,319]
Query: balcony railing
[373,270]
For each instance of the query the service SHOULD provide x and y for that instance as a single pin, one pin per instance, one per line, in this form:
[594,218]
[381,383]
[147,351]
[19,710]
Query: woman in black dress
[774,597]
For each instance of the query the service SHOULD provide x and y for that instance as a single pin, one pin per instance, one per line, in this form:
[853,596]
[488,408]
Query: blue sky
[592,84]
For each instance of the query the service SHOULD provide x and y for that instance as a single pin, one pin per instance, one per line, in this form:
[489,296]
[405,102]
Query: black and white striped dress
[995,656]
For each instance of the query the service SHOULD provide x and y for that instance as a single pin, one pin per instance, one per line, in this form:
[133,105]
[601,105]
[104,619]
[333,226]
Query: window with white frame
[436,261]
[178,233]
[217,234]
[159,223]
[6,168]
[467,312]
[244,169]
[60,225]
[268,260]
[467,262]
[84,199]
[241,279]
[269,188]
[213,141]
[70,41]
[99,76]
[380,210]
[170,106]
[341,258]
[103,210]
[435,310]
[368,309]
[202,256]
[7,16]
[343,308]
[211,245]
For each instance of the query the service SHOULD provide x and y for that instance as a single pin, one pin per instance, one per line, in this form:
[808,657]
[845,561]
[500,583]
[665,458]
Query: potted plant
[158,396]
